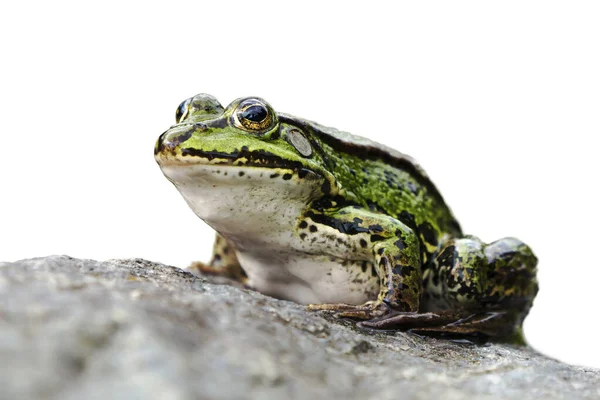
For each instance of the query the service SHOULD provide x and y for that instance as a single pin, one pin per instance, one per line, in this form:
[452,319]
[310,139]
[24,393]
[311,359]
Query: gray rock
[133,329]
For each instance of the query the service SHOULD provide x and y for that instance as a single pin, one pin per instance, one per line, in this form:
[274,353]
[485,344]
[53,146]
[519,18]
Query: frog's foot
[224,266]
[450,323]
[368,311]
[221,274]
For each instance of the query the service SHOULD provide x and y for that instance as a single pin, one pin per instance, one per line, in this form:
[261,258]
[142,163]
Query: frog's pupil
[255,113]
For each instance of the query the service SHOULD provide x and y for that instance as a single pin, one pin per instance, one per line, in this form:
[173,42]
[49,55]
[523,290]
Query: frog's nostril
[201,127]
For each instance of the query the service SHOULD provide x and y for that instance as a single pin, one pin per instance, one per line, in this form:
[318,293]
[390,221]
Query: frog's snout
[175,137]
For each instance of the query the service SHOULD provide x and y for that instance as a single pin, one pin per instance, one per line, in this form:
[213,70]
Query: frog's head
[245,158]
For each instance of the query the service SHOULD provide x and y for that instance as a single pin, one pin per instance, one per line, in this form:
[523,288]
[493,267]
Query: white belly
[309,279]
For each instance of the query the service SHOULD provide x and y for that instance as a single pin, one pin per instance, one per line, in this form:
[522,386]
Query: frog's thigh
[386,242]
[484,289]
[224,262]
[474,275]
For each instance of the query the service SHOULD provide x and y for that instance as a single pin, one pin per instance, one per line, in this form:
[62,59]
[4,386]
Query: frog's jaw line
[242,202]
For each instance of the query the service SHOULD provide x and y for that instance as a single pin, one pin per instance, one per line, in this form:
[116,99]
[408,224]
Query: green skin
[341,202]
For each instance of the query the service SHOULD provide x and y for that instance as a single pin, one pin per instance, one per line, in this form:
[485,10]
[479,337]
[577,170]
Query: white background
[499,101]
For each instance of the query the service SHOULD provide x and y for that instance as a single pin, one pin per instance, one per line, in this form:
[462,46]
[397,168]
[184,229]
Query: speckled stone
[134,329]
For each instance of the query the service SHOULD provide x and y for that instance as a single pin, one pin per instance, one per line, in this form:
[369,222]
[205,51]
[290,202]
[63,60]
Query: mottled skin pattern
[349,203]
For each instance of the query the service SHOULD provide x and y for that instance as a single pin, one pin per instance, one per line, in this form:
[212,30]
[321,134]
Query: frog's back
[388,181]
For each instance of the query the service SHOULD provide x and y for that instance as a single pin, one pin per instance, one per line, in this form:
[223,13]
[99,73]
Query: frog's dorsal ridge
[368,149]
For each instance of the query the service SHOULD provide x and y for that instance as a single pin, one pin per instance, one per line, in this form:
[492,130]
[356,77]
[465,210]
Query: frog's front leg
[385,242]
[224,262]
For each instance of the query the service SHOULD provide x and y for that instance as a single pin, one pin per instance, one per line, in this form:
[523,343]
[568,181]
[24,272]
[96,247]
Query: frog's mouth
[172,152]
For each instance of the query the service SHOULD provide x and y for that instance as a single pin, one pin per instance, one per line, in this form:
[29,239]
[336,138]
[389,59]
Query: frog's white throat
[239,202]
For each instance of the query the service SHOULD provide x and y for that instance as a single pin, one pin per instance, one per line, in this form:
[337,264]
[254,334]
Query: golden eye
[254,115]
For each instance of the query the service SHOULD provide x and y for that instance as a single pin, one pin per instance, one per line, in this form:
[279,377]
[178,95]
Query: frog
[339,223]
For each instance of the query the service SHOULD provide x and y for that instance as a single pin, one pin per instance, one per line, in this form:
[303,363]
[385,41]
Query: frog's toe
[368,311]
[219,275]
[408,320]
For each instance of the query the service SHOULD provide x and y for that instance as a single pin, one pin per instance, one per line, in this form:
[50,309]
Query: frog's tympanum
[321,217]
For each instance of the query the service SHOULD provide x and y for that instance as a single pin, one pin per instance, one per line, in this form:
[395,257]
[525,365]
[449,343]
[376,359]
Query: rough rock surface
[121,329]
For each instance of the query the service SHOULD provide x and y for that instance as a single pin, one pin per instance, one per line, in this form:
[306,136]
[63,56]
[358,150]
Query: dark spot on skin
[363,243]
[428,233]
[303,172]
[218,123]
[463,289]
[244,148]
[407,270]
[347,227]
[413,188]
[183,137]
[365,181]
[353,172]
[217,257]
[287,177]
[408,219]
[446,258]
[373,207]
[400,244]
[376,228]
[376,238]
[303,236]
[273,176]
[363,267]
[241,173]
[380,251]
[373,271]
[313,228]
[303,225]
[326,187]
[225,173]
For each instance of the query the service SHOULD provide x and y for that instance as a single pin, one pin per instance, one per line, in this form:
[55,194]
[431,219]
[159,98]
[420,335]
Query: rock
[121,329]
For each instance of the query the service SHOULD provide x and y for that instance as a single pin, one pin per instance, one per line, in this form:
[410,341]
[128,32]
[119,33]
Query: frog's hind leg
[473,289]
[224,262]
[452,324]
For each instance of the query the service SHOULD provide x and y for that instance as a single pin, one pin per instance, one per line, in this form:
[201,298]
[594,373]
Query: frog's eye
[254,115]
[182,110]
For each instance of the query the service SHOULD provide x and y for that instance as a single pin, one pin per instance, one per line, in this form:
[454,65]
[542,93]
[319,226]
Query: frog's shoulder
[360,146]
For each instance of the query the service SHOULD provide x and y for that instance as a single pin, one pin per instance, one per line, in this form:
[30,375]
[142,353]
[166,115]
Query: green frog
[335,221]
